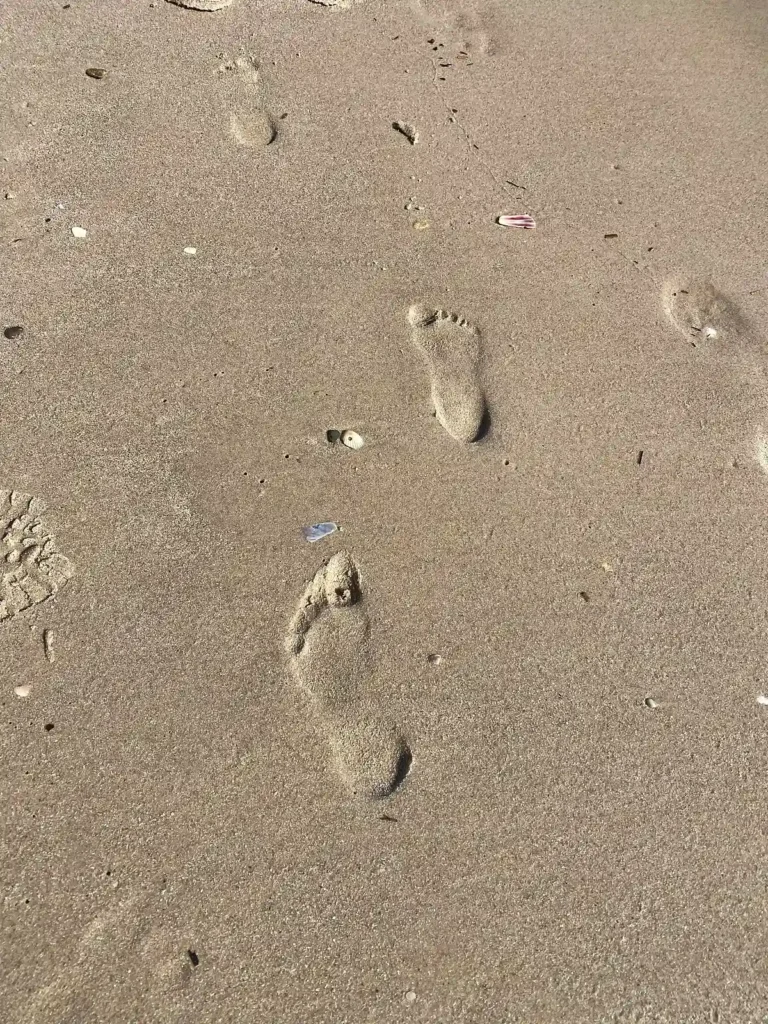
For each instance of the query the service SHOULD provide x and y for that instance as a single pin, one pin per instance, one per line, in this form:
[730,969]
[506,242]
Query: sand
[492,751]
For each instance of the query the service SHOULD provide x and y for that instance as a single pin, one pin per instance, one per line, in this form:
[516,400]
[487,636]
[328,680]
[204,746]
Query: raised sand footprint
[32,570]
[451,347]
[250,123]
[329,652]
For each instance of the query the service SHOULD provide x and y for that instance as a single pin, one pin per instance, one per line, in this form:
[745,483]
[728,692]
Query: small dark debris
[640,457]
[611,235]
[47,220]
[65,7]
[584,595]
[515,185]
[386,817]
[649,249]
[194,959]
[48,726]
[430,41]
[96,72]
[332,436]
[283,116]
[13,333]
[454,110]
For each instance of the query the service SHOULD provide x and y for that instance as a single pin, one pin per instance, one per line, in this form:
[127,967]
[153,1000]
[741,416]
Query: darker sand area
[492,750]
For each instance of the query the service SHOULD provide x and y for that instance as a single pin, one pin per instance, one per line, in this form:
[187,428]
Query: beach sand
[493,750]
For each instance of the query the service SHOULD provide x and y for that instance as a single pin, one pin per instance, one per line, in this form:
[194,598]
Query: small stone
[22,691]
[13,333]
[434,659]
[96,72]
[79,232]
[650,702]
[410,996]
[10,195]
[762,699]
[190,250]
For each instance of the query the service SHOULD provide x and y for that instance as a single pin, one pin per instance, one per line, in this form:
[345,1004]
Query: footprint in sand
[250,123]
[329,650]
[707,318]
[451,347]
[32,570]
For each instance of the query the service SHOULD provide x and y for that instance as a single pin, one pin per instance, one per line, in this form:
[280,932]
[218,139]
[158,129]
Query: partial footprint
[705,317]
[31,568]
[328,645]
[451,347]
[250,123]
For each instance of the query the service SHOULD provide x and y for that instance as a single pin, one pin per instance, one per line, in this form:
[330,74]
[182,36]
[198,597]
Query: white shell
[190,250]
[351,439]
[762,699]
[79,232]
[22,691]
[315,533]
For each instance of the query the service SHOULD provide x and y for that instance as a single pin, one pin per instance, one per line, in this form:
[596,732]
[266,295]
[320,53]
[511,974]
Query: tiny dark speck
[386,817]
[612,235]
[193,957]
[583,595]
[13,333]
[640,457]
[48,726]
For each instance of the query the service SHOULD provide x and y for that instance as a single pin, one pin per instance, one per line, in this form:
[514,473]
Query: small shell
[189,250]
[318,531]
[518,220]
[351,439]
[22,691]
[420,225]
[79,232]
[762,699]
[650,702]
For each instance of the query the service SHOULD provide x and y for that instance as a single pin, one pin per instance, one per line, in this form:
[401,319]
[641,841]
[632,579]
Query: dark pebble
[95,72]
[13,333]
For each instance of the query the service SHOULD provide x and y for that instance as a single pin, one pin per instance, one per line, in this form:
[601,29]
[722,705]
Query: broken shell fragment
[518,220]
[202,5]
[407,130]
[318,531]
[351,439]
[79,232]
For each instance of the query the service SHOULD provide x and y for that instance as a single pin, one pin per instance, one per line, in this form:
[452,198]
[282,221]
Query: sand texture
[489,747]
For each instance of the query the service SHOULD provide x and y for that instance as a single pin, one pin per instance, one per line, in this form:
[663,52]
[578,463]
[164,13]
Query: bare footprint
[706,317]
[451,347]
[328,645]
[250,123]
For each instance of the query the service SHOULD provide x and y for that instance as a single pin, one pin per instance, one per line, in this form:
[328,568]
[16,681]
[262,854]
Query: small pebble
[10,195]
[650,702]
[96,72]
[190,250]
[79,232]
[22,691]
[762,699]
[13,333]
[410,996]
[434,659]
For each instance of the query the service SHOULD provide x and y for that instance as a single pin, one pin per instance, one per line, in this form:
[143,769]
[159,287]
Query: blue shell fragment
[318,531]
